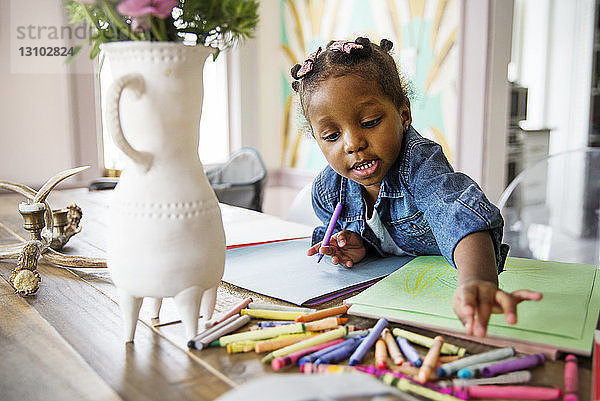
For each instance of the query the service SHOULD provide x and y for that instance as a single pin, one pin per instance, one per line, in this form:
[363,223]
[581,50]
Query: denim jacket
[425,205]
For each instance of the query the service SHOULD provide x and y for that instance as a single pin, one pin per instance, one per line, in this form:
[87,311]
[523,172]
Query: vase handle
[136,83]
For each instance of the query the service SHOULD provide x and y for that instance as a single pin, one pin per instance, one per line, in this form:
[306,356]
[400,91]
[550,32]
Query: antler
[52,182]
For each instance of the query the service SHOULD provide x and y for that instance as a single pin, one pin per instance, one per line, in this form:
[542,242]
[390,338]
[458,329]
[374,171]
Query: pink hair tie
[307,66]
[344,46]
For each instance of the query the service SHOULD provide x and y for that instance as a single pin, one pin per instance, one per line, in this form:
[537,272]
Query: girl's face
[358,128]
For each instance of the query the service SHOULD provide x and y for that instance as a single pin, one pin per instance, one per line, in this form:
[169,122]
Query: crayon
[514,392]
[571,378]
[448,358]
[262,325]
[358,333]
[192,342]
[596,367]
[240,346]
[449,368]
[240,321]
[381,354]
[401,395]
[234,311]
[409,352]
[454,391]
[368,342]
[472,371]
[334,218]
[222,329]
[290,359]
[520,376]
[311,317]
[279,342]
[430,360]
[262,334]
[310,368]
[408,386]
[427,341]
[326,323]
[340,353]
[270,314]
[392,347]
[368,369]
[312,357]
[309,342]
[406,370]
[257,305]
[521,363]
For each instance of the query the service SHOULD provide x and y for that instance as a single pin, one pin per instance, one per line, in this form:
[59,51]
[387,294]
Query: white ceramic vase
[165,236]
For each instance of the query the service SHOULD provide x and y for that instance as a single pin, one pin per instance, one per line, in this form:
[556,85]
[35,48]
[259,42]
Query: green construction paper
[421,294]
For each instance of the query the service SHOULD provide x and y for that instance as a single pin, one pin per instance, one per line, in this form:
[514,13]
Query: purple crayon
[513,364]
[274,324]
[368,342]
[330,227]
[409,352]
[340,353]
[317,354]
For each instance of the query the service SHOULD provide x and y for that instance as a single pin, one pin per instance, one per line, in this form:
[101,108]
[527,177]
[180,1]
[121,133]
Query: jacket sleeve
[453,204]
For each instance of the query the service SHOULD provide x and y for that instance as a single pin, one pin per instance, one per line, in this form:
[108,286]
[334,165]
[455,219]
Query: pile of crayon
[321,342]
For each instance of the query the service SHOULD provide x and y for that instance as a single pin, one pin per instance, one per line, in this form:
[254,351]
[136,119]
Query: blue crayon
[317,354]
[411,354]
[274,323]
[340,353]
[368,342]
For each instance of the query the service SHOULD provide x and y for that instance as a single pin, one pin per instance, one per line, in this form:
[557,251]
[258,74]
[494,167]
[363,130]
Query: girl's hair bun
[363,41]
[295,70]
[386,45]
[366,44]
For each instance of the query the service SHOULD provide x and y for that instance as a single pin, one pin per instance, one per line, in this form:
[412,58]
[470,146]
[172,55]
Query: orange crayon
[380,354]
[430,361]
[311,317]
[279,342]
[325,324]
[448,358]
[392,347]
[406,370]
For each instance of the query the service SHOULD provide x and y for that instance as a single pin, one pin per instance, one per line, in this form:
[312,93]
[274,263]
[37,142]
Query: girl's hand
[475,300]
[345,248]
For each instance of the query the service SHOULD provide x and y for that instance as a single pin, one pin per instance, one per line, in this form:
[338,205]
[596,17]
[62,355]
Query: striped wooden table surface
[64,343]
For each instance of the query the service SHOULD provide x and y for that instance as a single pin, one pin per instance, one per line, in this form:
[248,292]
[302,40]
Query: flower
[138,8]
[216,23]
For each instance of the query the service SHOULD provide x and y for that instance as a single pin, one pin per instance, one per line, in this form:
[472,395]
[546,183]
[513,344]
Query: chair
[241,180]
[301,210]
[552,209]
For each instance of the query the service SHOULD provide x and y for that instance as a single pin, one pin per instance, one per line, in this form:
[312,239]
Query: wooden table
[65,343]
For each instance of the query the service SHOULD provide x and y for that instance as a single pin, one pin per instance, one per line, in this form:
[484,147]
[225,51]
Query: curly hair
[369,61]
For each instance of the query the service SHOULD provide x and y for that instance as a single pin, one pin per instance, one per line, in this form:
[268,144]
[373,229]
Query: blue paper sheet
[282,270]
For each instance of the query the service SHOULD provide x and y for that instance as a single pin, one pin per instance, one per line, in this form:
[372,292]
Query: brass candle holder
[25,278]
[39,219]
[66,224]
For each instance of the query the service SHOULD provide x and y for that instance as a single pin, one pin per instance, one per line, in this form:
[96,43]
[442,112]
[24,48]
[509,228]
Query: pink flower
[138,8]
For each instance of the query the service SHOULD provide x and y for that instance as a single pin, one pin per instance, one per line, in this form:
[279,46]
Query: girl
[399,193]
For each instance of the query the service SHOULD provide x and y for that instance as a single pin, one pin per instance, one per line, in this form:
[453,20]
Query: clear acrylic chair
[552,209]
[241,180]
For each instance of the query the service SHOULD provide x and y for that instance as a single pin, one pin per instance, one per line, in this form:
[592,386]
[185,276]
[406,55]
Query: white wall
[256,88]
[47,120]
[552,57]
[483,92]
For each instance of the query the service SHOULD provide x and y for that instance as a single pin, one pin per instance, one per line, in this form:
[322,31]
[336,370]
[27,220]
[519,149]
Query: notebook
[282,270]
[420,294]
